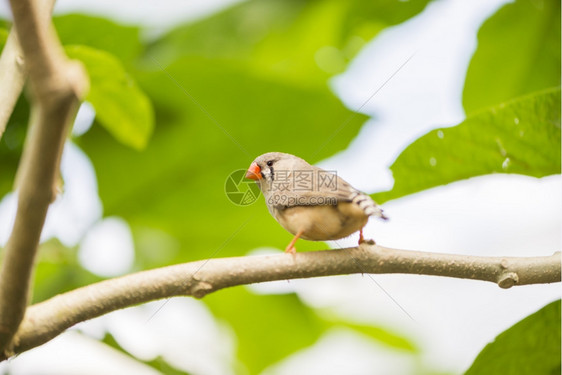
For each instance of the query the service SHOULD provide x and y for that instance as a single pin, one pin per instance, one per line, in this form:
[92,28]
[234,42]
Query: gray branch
[47,319]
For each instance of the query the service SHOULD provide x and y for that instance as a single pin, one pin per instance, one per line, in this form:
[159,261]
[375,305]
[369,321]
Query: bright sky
[452,319]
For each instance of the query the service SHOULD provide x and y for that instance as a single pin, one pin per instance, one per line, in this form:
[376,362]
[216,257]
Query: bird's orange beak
[254,172]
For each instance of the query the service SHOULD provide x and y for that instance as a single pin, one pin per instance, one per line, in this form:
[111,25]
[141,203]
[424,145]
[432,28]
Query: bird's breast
[321,223]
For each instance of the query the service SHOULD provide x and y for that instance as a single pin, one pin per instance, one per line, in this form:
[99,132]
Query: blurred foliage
[304,42]
[269,327]
[3,37]
[59,271]
[11,144]
[521,136]
[158,363]
[531,346]
[122,41]
[121,107]
[384,336]
[194,105]
[518,53]
[288,326]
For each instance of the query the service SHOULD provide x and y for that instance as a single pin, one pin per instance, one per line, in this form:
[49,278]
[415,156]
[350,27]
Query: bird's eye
[269,163]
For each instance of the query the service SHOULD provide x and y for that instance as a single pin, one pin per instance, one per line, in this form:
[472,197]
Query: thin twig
[47,319]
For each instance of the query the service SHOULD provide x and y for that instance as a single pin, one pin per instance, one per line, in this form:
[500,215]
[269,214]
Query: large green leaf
[158,363]
[521,136]
[531,347]
[271,327]
[121,107]
[302,41]
[268,328]
[518,53]
[384,336]
[121,41]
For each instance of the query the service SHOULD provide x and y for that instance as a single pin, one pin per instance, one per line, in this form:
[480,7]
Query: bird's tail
[369,206]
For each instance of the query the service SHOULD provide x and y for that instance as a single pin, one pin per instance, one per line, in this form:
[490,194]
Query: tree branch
[48,319]
[57,85]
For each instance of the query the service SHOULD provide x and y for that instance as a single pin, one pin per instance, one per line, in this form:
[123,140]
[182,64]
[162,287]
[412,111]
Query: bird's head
[264,167]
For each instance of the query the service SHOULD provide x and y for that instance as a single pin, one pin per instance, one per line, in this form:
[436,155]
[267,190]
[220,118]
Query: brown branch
[48,319]
[56,86]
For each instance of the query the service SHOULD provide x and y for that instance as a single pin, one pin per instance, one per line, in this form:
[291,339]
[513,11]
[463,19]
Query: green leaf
[518,53]
[271,327]
[158,363]
[531,346]
[521,136]
[268,327]
[302,41]
[387,12]
[121,107]
[121,41]
[384,336]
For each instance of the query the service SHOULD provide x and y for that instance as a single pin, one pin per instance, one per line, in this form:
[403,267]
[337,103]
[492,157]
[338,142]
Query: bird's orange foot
[291,249]
[361,238]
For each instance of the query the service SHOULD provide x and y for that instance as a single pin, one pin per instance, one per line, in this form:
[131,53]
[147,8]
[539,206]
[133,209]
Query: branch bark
[46,320]
[57,84]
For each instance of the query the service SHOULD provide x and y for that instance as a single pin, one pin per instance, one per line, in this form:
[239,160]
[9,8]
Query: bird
[310,202]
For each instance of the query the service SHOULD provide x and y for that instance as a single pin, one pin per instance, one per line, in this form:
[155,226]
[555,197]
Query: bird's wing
[317,187]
